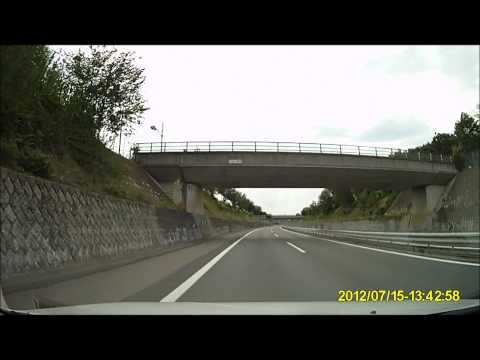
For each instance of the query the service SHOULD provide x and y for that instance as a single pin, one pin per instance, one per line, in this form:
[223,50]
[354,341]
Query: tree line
[463,145]
[54,103]
[237,200]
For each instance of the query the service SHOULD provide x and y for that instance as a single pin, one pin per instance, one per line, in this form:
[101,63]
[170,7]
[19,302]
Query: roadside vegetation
[230,202]
[463,145]
[60,112]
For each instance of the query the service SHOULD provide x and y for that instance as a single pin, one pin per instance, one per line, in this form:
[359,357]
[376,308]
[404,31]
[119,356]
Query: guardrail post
[232,146]
[340,149]
[151,146]
[299,148]
[376,154]
[419,155]
[255,144]
[441,157]
[209,146]
[430,156]
[187,147]
[277,147]
[320,145]
[359,151]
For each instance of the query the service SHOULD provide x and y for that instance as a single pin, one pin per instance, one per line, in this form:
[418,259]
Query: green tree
[103,92]
[325,205]
[459,157]
[442,143]
[467,132]
[30,108]
[240,201]
[326,202]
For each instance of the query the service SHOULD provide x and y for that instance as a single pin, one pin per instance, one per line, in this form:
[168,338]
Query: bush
[114,191]
[35,162]
[9,153]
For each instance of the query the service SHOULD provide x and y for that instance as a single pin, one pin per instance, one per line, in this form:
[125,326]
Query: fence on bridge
[288,147]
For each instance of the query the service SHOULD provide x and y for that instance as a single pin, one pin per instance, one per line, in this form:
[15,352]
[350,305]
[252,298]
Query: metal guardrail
[287,147]
[459,241]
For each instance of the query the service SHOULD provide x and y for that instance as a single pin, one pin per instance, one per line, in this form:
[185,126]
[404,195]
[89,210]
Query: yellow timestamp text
[377,295]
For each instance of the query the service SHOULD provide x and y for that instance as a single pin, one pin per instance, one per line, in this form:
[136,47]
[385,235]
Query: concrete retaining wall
[454,208]
[45,225]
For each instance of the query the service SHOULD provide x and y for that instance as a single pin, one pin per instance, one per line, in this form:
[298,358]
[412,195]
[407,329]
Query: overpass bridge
[293,165]
[287,217]
[234,164]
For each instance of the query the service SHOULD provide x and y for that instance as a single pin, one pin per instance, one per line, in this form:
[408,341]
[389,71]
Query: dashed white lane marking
[296,247]
[388,251]
[276,235]
[187,284]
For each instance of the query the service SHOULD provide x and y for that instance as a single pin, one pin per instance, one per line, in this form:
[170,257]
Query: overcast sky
[393,96]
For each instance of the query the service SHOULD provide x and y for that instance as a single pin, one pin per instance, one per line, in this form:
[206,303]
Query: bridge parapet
[288,147]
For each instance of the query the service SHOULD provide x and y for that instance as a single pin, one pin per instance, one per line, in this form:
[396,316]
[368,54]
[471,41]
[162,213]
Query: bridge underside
[286,177]
[294,171]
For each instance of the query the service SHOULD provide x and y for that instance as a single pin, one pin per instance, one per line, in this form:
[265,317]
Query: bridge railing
[288,147]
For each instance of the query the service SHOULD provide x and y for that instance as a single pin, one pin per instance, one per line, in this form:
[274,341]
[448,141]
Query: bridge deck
[294,170]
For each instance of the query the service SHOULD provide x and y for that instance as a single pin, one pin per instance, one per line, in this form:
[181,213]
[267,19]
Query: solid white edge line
[388,251]
[296,247]
[187,284]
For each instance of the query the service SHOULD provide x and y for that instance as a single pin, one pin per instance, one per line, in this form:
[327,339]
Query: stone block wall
[45,225]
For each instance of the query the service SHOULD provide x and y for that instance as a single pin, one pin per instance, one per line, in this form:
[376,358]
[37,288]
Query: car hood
[258,308]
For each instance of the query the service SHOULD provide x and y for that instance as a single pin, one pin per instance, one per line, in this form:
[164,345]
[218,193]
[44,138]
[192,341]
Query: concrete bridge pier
[185,195]
[417,205]
[433,195]
[425,198]
[418,200]
[193,199]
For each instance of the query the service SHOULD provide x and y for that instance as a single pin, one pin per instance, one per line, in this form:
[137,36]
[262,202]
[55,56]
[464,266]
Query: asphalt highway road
[266,264]
[272,264]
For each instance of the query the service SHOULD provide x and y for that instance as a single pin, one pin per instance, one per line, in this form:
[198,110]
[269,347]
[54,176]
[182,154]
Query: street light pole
[153,127]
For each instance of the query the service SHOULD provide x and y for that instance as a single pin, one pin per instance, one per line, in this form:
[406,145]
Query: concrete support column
[193,199]
[186,196]
[418,201]
[174,190]
[433,194]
